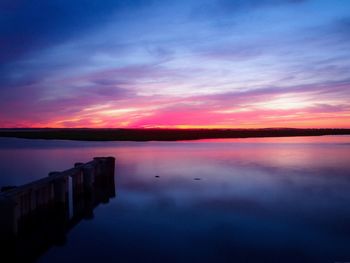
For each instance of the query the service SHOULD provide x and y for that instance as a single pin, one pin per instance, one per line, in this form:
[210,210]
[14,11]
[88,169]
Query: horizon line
[173,128]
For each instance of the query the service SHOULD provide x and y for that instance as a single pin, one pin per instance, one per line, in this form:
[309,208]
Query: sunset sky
[166,63]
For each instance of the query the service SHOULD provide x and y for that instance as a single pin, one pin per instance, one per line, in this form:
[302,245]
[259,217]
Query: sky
[175,64]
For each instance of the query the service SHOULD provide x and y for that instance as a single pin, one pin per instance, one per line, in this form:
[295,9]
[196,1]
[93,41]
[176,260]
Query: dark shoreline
[86,134]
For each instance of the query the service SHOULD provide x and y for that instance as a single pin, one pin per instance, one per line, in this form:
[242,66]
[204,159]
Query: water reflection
[256,201]
[38,215]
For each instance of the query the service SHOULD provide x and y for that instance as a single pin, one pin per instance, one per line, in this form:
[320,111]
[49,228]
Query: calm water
[251,200]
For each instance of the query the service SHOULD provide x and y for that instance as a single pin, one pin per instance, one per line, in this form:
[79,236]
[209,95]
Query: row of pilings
[41,212]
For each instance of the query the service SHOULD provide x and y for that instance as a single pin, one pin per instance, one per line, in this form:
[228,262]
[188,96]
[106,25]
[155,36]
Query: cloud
[28,26]
[340,28]
[154,63]
[231,7]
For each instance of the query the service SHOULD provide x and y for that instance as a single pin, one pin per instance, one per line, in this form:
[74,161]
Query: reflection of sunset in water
[256,195]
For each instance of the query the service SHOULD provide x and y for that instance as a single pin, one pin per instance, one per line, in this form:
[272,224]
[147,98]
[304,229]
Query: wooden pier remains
[37,215]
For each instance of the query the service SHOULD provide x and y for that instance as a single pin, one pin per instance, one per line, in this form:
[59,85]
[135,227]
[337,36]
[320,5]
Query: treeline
[161,134]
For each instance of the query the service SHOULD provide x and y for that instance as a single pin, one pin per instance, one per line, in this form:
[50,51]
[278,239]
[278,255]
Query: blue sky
[221,63]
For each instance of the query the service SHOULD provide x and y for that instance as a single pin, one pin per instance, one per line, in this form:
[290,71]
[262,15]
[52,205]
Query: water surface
[237,200]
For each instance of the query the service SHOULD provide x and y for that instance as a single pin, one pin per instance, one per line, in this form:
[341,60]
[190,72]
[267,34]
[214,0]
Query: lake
[234,200]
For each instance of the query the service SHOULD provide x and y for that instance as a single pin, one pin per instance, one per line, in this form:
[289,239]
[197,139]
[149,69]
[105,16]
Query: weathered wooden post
[8,218]
[89,179]
[105,177]
[60,187]
[110,172]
